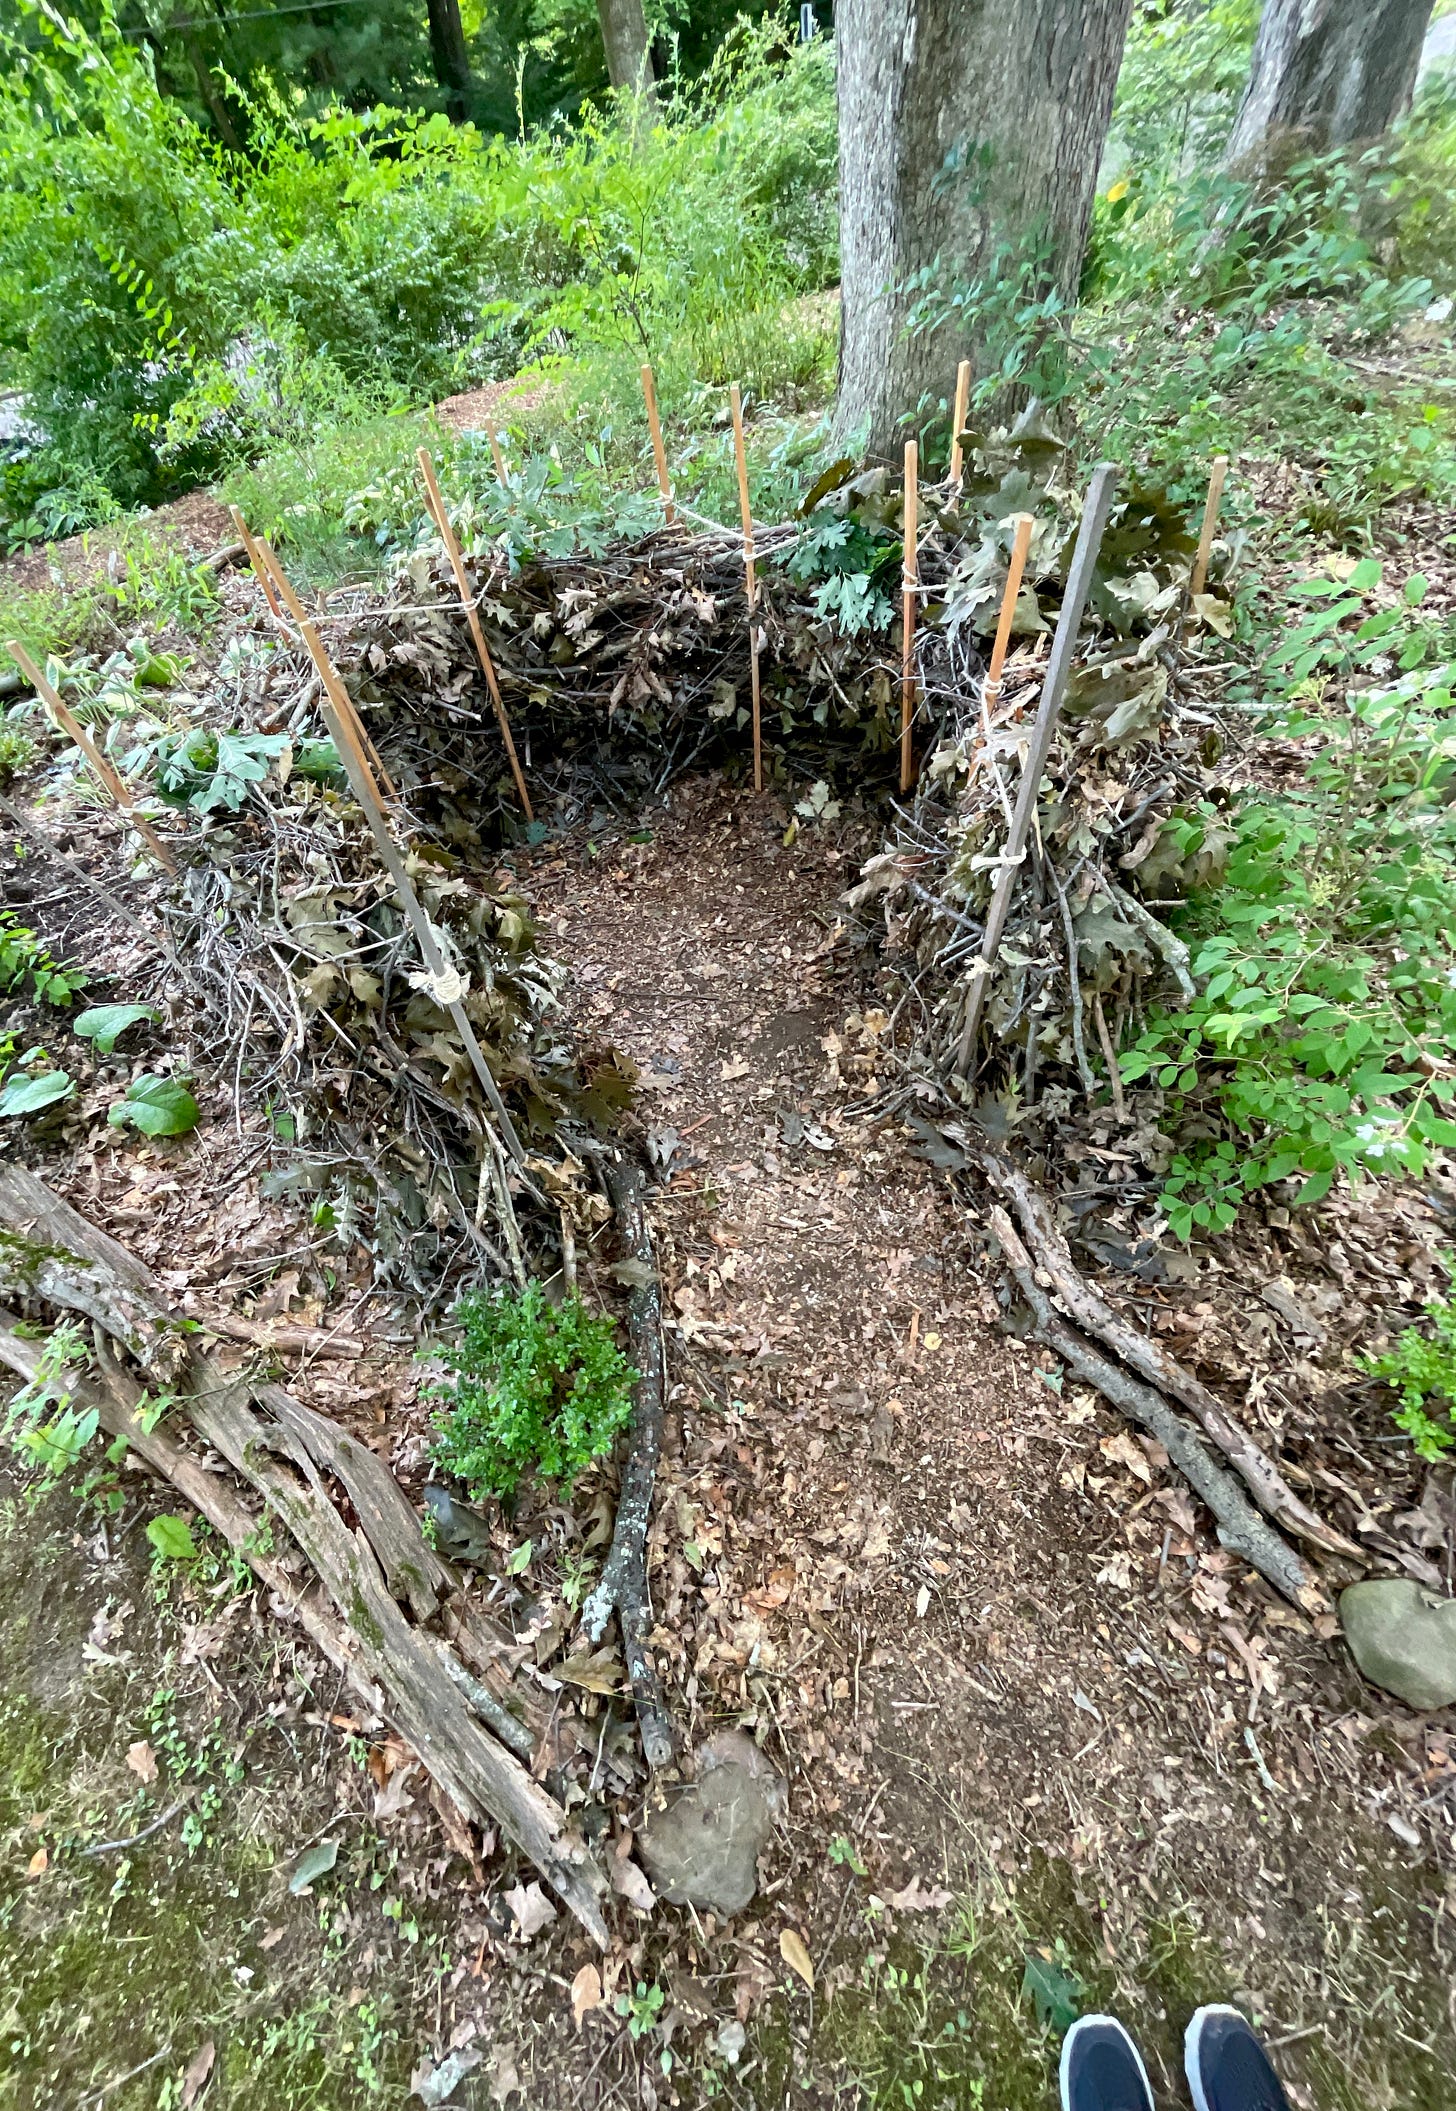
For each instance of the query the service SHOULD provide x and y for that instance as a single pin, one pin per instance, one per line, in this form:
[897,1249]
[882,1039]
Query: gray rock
[1403,1637]
[702,1847]
[460,1532]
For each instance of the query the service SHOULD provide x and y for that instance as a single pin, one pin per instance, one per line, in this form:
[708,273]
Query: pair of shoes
[1226,2066]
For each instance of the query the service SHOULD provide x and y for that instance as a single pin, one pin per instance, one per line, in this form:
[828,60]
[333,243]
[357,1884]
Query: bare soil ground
[1027,1710]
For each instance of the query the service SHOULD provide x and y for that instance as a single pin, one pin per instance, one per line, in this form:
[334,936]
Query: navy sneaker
[1227,2068]
[1102,2069]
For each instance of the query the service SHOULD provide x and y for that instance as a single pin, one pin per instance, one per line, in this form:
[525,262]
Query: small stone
[1403,1637]
[702,1848]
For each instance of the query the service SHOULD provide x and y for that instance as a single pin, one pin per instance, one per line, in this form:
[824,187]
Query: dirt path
[981,1629]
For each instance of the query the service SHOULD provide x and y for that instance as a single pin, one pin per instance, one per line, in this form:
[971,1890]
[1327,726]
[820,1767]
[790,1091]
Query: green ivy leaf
[171,1537]
[27,1095]
[1054,1993]
[106,1023]
[158,1106]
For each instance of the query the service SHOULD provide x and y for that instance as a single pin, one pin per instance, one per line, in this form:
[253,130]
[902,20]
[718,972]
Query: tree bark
[629,52]
[965,131]
[449,57]
[1326,73]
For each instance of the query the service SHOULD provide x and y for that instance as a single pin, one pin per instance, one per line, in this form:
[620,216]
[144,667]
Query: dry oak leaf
[918,1898]
[586,1993]
[795,1953]
[39,1862]
[142,1760]
[194,2081]
[1124,1450]
[628,1879]
[532,1910]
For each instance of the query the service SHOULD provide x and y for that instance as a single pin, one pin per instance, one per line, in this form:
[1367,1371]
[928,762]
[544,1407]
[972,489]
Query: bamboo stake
[659,452]
[259,571]
[909,583]
[1095,509]
[467,602]
[378,773]
[499,459]
[740,451]
[105,773]
[1021,543]
[1210,522]
[958,417]
[343,723]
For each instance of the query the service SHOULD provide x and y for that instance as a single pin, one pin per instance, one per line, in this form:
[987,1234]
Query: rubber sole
[1082,2023]
[1190,2048]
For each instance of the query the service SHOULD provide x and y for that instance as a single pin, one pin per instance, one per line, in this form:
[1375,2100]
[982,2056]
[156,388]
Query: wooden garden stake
[748,568]
[300,616]
[104,772]
[467,603]
[499,459]
[958,417]
[259,570]
[445,985]
[1210,522]
[659,452]
[909,585]
[1095,509]
[1021,543]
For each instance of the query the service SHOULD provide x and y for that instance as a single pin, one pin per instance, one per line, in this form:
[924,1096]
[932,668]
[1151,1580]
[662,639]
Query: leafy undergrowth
[1322,1040]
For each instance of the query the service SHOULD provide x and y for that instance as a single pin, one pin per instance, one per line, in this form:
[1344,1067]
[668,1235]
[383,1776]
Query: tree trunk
[966,130]
[1326,73]
[449,57]
[629,53]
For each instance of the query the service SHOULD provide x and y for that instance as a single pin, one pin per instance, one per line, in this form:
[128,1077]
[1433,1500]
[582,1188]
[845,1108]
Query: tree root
[623,1587]
[1240,1526]
[1265,1483]
[369,1587]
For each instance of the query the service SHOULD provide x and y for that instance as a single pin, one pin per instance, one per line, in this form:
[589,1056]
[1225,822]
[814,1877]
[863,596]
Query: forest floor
[1043,1741]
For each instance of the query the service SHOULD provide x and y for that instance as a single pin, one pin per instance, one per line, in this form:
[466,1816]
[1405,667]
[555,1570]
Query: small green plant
[1422,1369]
[26,963]
[17,750]
[201,769]
[28,1089]
[641,2008]
[538,1389]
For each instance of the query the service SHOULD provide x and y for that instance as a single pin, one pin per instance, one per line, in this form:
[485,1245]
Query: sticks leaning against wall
[441,518]
[443,982]
[736,401]
[659,452]
[958,417]
[106,775]
[1095,509]
[1210,521]
[909,595]
[1020,544]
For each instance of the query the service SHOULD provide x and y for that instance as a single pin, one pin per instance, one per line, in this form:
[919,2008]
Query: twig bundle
[752,584]
[441,519]
[659,452]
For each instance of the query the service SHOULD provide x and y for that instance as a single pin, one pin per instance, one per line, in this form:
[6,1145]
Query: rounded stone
[1403,1637]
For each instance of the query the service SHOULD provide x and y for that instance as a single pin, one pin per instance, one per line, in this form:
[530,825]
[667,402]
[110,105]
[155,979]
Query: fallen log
[365,1578]
[1265,1483]
[623,1586]
[1241,1528]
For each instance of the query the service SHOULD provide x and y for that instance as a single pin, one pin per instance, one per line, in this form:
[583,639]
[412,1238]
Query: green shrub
[539,1388]
[17,750]
[1422,1369]
[26,963]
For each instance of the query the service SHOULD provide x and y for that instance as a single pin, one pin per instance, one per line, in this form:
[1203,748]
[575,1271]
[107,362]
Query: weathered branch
[1241,1528]
[1265,1483]
[54,1254]
[623,1585]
